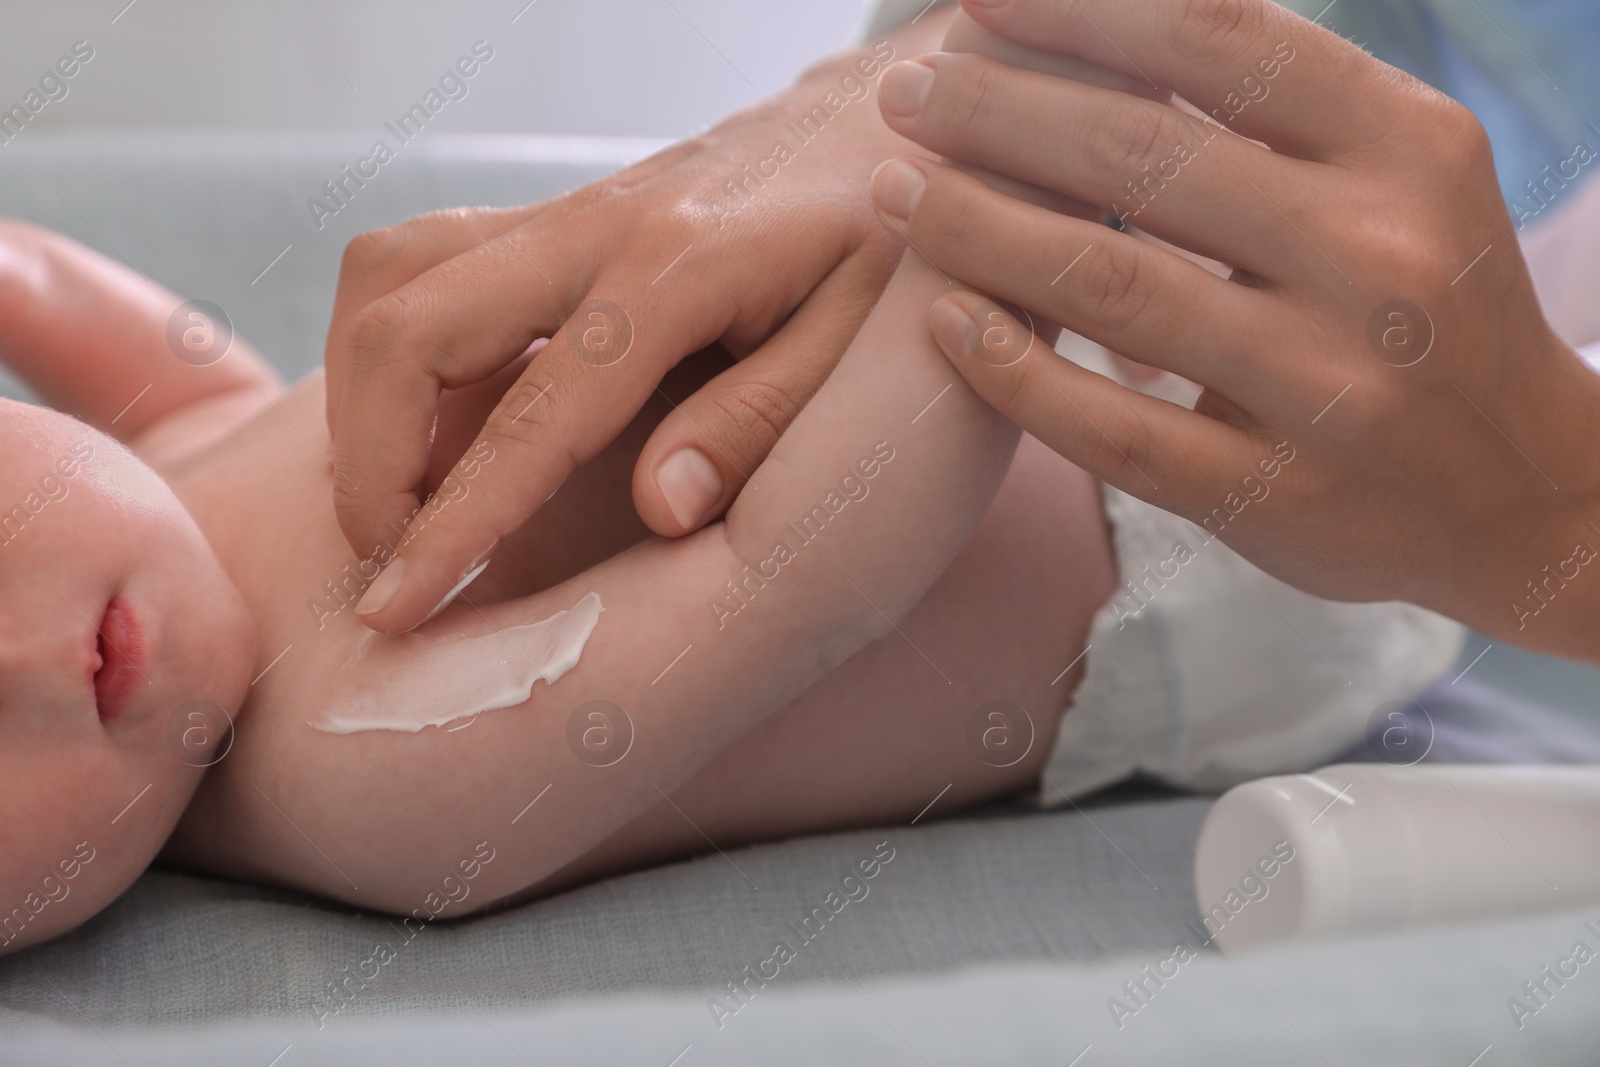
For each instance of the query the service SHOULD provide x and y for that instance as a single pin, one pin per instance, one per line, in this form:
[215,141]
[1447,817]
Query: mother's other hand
[1385,414]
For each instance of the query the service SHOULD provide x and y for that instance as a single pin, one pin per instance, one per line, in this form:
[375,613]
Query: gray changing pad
[1007,888]
[1430,998]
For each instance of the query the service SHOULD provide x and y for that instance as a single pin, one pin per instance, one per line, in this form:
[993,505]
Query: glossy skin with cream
[961,570]
[411,681]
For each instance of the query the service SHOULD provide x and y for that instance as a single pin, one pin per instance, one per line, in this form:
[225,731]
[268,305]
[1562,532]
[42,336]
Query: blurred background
[204,129]
[642,68]
[212,128]
[663,69]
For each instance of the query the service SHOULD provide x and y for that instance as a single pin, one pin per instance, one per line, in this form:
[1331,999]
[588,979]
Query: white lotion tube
[1373,847]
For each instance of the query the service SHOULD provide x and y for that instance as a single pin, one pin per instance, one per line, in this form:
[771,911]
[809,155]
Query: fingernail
[897,186]
[691,484]
[904,88]
[952,328]
[383,588]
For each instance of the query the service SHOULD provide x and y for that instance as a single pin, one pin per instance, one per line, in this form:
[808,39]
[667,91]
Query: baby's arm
[90,336]
[694,665]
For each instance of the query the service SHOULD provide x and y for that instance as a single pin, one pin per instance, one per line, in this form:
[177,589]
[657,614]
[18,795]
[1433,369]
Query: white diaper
[1221,673]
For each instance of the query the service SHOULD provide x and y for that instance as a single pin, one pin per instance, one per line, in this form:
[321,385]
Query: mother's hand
[1385,414]
[756,234]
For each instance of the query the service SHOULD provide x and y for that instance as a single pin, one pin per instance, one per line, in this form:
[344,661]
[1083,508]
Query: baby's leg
[876,740]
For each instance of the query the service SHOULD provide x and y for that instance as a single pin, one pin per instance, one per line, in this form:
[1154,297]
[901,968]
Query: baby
[170,560]
[894,618]
[898,610]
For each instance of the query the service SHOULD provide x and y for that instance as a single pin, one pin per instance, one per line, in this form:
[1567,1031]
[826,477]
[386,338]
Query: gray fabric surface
[178,950]
[1428,998]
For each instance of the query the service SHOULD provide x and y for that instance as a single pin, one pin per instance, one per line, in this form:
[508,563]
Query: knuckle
[987,84]
[756,413]
[1209,28]
[1421,246]
[966,93]
[1375,407]
[373,250]
[1121,445]
[442,520]
[529,416]
[1010,389]
[349,503]
[962,221]
[1129,137]
[359,515]
[1414,264]
[381,325]
[1407,257]
[1458,132]
[408,245]
[1113,291]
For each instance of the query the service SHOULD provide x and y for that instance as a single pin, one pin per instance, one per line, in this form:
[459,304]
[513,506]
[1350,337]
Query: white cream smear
[411,680]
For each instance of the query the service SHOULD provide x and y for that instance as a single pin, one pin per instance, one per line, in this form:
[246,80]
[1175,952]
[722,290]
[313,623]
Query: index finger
[572,400]
[1249,65]
[456,324]
[378,262]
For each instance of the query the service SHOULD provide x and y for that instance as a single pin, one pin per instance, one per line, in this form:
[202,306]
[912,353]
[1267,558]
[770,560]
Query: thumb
[700,457]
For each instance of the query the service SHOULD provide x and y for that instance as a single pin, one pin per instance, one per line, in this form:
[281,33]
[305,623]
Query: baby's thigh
[875,741]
